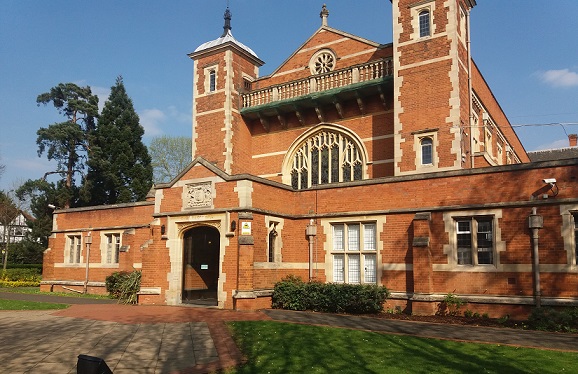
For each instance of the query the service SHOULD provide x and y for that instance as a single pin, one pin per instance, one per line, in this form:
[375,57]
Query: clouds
[154,120]
[559,78]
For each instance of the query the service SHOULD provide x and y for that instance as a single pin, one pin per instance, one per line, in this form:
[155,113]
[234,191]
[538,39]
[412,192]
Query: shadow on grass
[290,348]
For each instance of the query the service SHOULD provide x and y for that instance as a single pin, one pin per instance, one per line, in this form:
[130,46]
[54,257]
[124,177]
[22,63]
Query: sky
[527,50]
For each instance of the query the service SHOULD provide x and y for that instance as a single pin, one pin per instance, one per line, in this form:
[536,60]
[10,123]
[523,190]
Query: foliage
[450,305]
[124,285]
[276,347]
[554,319]
[18,284]
[21,274]
[170,156]
[25,252]
[68,142]
[8,210]
[119,166]
[26,266]
[294,294]
[29,305]
[40,194]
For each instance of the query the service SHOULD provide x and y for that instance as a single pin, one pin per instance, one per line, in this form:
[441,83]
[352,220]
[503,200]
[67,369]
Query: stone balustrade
[334,79]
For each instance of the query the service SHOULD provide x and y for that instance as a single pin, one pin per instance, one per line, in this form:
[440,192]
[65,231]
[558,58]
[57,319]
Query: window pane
[294,179]
[357,171]
[71,249]
[353,237]
[370,269]
[325,165]
[213,81]
[464,256]
[109,249]
[353,269]
[426,151]
[314,166]
[369,237]
[338,268]
[338,237]
[334,164]
[424,24]
[346,172]
[575,216]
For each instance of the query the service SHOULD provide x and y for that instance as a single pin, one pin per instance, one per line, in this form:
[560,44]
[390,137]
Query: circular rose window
[322,62]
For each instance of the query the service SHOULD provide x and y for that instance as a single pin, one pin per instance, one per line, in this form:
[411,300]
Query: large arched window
[326,156]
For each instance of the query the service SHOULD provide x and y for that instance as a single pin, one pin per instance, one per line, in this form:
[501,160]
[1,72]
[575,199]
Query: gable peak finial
[227,27]
[324,14]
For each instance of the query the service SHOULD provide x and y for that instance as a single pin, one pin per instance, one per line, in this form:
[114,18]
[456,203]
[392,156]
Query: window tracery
[326,157]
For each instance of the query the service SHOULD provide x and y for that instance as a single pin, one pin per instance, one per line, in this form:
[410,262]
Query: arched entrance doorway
[201,265]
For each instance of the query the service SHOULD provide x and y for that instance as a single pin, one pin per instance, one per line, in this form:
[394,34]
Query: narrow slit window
[424,23]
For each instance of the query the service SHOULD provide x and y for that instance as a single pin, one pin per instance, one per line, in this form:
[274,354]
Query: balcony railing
[335,79]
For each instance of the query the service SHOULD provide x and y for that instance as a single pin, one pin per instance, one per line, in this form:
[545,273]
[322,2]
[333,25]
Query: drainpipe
[535,223]
[311,231]
[88,241]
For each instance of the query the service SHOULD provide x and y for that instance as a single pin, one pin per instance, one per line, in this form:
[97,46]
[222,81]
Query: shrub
[124,285]
[450,306]
[550,319]
[22,275]
[294,294]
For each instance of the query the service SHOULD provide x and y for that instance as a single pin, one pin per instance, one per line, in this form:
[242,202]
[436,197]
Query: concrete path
[179,339]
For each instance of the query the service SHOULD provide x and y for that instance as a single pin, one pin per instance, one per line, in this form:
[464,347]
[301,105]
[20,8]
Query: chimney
[572,138]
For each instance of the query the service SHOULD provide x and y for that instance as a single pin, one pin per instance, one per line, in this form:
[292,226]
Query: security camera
[52,206]
[549,180]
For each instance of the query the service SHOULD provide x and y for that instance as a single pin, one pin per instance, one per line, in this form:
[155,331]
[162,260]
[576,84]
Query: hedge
[294,294]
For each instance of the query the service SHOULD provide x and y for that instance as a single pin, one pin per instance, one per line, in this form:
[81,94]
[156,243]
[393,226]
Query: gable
[348,50]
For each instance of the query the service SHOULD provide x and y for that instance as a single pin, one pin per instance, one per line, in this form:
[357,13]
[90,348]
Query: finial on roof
[324,14]
[227,26]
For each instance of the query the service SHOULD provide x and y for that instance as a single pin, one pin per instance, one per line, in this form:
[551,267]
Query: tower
[223,68]
[432,85]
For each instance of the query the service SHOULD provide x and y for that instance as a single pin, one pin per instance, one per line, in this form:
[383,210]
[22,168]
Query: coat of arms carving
[199,195]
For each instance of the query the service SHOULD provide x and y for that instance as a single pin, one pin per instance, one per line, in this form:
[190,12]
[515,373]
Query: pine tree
[68,142]
[119,166]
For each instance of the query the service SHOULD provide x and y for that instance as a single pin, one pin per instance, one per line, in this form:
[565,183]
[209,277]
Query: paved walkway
[175,339]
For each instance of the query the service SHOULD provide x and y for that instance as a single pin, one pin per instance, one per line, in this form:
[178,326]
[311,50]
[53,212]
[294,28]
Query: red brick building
[353,162]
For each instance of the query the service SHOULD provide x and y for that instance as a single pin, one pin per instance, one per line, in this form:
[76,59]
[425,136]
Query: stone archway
[201,246]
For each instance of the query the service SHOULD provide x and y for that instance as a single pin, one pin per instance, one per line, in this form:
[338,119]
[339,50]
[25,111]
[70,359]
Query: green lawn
[29,305]
[36,290]
[274,347]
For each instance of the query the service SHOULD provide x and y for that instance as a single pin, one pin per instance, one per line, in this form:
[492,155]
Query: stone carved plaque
[199,195]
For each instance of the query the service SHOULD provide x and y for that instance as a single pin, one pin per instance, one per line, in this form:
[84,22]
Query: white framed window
[212,81]
[569,231]
[424,23]
[475,240]
[112,250]
[426,146]
[271,247]
[74,249]
[354,253]
[211,77]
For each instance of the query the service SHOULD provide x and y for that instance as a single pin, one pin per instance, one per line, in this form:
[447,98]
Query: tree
[68,142]
[8,213]
[41,195]
[170,155]
[119,166]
